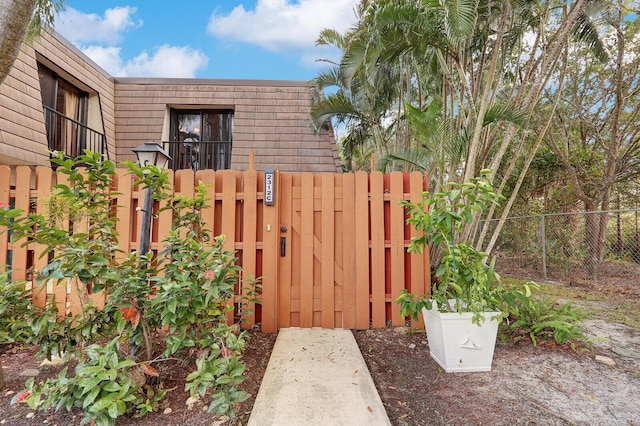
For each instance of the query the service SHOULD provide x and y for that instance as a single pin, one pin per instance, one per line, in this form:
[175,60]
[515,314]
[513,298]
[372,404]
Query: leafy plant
[15,310]
[218,376]
[192,299]
[540,318]
[185,295]
[104,387]
[78,233]
[463,274]
[61,334]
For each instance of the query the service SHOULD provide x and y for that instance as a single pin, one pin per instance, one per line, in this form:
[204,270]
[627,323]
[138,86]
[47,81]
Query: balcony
[199,155]
[72,137]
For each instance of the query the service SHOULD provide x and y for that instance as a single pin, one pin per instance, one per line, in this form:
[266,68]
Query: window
[65,113]
[61,96]
[201,139]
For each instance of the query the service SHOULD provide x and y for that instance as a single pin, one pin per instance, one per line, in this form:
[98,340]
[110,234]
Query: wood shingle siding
[23,138]
[271,118]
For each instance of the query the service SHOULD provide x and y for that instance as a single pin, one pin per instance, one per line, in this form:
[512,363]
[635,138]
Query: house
[57,99]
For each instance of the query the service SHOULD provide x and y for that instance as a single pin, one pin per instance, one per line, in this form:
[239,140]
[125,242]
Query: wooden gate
[342,249]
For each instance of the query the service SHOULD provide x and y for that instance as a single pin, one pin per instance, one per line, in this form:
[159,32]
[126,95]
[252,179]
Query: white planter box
[457,344]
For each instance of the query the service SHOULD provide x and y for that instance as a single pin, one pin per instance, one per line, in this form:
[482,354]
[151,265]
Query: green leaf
[122,407]
[125,363]
[102,403]
[88,400]
[111,387]
[113,410]
[87,371]
[194,375]
[172,305]
[207,377]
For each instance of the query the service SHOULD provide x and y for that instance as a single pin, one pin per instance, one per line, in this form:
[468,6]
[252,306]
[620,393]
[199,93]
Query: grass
[607,306]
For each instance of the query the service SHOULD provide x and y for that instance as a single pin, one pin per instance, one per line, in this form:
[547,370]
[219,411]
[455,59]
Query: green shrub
[15,311]
[540,318]
[192,281]
[103,386]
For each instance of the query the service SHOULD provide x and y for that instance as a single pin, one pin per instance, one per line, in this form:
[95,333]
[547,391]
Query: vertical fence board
[420,274]
[78,296]
[164,219]
[349,252]
[306,251]
[378,299]
[229,216]
[249,228]
[327,253]
[5,195]
[44,182]
[124,210]
[396,216]
[22,197]
[284,279]
[62,288]
[270,245]
[208,178]
[338,252]
[60,296]
[362,220]
[228,210]
[184,186]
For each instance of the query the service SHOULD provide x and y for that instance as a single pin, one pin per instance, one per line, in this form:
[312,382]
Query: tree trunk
[15,16]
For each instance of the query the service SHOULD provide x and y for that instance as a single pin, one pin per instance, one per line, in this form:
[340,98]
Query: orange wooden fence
[331,250]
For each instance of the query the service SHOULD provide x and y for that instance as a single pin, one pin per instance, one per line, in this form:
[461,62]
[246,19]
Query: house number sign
[269,180]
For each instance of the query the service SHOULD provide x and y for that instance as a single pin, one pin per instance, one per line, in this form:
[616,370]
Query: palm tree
[468,75]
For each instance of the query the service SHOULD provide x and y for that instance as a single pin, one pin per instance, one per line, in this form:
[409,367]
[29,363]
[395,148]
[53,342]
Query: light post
[149,153]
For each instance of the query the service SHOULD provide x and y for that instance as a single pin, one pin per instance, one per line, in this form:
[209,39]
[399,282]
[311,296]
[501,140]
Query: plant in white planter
[464,302]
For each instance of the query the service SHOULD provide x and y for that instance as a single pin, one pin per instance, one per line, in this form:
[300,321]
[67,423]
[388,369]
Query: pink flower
[2,204]
[22,396]
[209,274]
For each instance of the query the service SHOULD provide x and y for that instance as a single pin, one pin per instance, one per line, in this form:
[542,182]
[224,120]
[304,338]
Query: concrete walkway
[317,377]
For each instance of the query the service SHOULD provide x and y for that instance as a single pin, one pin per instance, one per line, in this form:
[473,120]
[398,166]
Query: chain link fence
[572,247]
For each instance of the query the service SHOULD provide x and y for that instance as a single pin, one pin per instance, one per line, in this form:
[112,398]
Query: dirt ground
[528,385]
[173,411]
[542,385]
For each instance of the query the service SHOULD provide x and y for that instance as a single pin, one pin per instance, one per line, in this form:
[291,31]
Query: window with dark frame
[201,139]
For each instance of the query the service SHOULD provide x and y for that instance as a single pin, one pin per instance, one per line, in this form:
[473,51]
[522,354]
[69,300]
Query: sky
[258,40]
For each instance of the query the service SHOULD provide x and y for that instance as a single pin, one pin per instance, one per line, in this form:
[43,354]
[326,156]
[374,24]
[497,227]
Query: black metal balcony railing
[199,155]
[72,137]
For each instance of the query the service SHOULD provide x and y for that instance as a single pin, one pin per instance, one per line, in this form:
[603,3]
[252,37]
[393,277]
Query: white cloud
[79,27]
[283,25]
[166,61]
[107,57]
[98,38]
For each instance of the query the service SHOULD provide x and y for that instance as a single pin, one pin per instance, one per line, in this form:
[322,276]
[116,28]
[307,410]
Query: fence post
[544,246]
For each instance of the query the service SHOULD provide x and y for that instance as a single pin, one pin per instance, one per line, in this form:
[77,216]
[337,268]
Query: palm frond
[586,31]
[330,37]
[419,159]
[460,18]
[353,59]
[336,106]
[503,112]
